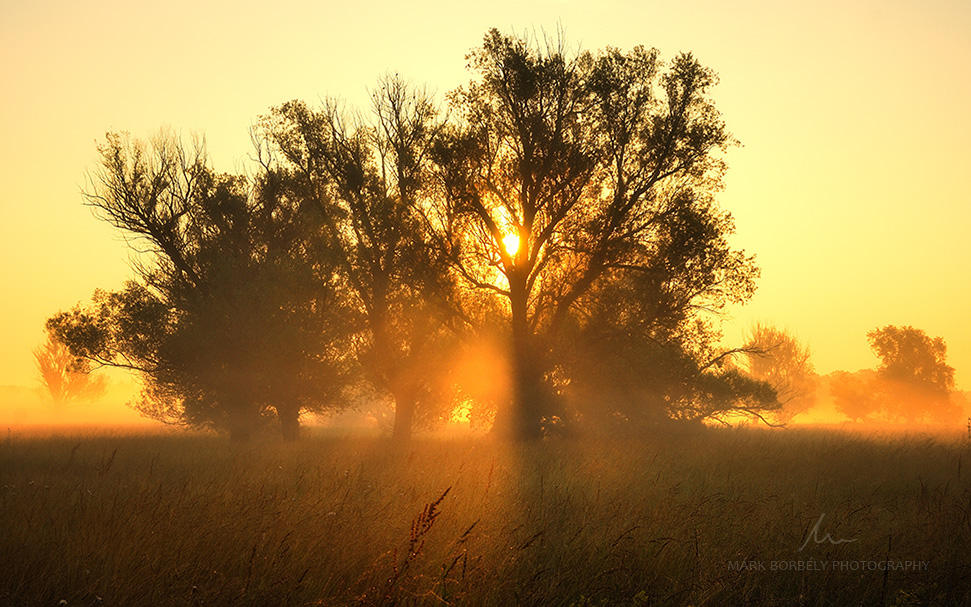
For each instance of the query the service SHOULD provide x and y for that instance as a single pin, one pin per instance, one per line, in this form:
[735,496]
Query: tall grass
[192,519]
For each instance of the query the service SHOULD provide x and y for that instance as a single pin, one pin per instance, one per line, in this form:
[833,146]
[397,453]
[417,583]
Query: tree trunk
[525,418]
[289,422]
[404,416]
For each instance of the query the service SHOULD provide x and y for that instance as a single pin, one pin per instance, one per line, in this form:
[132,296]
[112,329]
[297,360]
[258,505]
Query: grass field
[712,518]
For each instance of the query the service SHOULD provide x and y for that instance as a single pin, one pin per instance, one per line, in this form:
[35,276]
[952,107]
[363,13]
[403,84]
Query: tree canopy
[908,355]
[912,383]
[560,203]
[233,315]
[365,181]
[602,169]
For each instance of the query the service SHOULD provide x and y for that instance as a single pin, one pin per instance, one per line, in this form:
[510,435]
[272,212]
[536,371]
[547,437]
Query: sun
[510,243]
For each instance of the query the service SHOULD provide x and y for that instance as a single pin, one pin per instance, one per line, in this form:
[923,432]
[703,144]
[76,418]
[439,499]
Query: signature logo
[814,536]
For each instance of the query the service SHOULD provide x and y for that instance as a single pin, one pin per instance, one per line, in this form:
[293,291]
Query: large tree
[365,181]
[233,314]
[571,195]
[568,180]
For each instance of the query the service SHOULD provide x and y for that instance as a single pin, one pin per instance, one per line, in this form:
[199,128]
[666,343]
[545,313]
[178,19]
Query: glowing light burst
[510,243]
[461,414]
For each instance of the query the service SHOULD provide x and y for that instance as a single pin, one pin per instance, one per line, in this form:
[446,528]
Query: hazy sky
[852,185]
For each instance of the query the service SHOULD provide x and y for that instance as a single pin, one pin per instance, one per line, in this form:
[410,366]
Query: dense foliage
[563,205]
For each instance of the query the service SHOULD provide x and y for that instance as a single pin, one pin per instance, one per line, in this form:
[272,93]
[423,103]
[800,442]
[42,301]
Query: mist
[469,347]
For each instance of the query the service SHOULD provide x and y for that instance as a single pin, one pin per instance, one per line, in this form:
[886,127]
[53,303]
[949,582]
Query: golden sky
[851,185]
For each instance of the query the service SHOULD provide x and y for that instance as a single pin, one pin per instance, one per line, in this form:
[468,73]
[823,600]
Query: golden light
[461,414]
[510,242]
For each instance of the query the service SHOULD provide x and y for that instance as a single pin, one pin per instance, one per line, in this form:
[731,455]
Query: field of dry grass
[713,518]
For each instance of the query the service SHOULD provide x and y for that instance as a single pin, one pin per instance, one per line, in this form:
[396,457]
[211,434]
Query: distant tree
[917,381]
[776,357]
[236,313]
[569,180]
[858,395]
[909,355]
[912,383]
[65,376]
[366,182]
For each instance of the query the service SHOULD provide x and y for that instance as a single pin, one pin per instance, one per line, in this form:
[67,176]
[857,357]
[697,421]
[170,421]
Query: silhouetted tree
[776,357]
[912,383]
[570,180]
[65,376]
[236,312]
[909,355]
[367,182]
[571,196]
[913,368]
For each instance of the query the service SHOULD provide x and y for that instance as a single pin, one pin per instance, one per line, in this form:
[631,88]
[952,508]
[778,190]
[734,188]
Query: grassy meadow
[717,517]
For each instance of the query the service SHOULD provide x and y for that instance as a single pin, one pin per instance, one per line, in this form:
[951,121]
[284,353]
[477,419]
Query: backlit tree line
[912,382]
[560,204]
